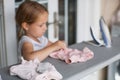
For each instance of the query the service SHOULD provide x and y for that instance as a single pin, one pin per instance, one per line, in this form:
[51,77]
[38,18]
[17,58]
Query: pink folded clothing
[35,70]
[73,55]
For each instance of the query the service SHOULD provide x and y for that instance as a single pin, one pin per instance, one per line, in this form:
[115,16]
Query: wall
[2,39]
[88,14]
[108,8]
[8,41]
[10,31]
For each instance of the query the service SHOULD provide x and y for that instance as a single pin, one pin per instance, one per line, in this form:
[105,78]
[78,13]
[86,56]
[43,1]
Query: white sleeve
[44,40]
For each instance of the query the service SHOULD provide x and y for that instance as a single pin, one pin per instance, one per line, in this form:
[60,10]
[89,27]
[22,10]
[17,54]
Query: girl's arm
[29,54]
[49,43]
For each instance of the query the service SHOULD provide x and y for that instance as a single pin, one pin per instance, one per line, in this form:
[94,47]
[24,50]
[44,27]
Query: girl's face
[38,28]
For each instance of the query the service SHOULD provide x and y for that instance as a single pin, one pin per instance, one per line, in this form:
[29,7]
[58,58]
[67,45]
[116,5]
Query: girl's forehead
[42,16]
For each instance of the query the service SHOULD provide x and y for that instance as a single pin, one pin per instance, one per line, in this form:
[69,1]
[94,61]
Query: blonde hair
[28,12]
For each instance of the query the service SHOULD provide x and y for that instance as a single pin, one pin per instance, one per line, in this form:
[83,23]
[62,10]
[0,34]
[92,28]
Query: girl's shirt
[36,45]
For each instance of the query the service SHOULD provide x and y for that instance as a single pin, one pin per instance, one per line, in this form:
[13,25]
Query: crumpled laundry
[0,77]
[49,70]
[34,70]
[73,55]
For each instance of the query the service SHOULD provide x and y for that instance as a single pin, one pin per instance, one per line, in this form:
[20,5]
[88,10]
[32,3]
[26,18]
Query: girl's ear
[25,26]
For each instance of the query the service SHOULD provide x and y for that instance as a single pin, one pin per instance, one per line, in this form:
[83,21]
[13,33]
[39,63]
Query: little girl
[32,17]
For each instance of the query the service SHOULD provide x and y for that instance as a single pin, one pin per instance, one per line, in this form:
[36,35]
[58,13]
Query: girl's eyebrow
[42,24]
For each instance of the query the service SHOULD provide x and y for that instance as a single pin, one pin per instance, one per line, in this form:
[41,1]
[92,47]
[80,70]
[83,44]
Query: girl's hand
[59,45]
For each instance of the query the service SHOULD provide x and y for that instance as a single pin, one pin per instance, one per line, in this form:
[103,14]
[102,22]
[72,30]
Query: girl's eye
[41,25]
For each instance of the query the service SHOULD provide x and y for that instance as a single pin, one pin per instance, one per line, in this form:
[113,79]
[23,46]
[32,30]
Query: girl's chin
[41,35]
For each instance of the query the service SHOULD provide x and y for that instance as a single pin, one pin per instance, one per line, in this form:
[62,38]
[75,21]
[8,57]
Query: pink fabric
[73,55]
[35,70]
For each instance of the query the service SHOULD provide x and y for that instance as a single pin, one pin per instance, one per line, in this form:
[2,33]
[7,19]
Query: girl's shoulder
[25,38]
[43,42]
[28,39]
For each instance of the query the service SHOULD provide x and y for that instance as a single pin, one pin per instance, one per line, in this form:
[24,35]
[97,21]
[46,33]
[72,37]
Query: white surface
[10,31]
[52,8]
[0,77]
[117,76]
[93,76]
[88,14]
